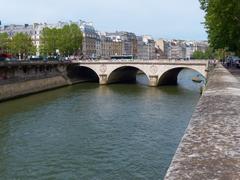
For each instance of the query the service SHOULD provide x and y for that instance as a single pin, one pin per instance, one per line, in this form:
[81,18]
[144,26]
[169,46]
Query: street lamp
[148,52]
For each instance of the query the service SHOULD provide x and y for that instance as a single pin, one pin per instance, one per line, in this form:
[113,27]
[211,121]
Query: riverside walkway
[210,148]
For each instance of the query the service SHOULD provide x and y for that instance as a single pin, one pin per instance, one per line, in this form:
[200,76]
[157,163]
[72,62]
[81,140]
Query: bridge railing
[9,63]
[141,61]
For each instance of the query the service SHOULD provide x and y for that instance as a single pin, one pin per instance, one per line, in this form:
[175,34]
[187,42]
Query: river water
[87,131]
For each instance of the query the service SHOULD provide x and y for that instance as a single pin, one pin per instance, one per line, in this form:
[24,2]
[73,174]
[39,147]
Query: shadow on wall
[170,77]
[81,74]
[124,74]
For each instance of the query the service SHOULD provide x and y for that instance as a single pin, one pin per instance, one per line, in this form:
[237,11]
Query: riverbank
[25,78]
[23,88]
[210,147]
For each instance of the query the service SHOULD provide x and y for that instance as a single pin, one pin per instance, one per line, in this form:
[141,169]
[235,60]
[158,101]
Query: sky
[169,19]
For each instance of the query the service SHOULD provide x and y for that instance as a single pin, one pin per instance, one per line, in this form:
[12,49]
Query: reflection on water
[89,131]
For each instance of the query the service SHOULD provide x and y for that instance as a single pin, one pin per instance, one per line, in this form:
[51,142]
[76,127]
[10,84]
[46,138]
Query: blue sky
[180,19]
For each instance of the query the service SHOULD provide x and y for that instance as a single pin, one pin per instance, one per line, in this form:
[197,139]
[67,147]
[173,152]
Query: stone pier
[153,81]
[103,79]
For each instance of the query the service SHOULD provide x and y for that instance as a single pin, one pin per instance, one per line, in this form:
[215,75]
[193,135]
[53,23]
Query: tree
[21,46]
[67,40]
[73,37]
[198,55]
[4,43]
[49,41]
[208,54]
[222,21]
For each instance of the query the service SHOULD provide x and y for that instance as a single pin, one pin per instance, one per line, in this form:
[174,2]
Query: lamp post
[170,51]
[148,52]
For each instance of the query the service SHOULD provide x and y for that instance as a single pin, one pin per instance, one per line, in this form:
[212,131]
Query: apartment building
[91,40]
[129,42]
[146,48]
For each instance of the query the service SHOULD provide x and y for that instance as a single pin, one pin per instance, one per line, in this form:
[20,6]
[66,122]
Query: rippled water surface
[87,131]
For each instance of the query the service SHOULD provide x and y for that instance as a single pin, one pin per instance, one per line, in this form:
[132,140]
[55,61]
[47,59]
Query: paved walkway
[235,72]
[210,148]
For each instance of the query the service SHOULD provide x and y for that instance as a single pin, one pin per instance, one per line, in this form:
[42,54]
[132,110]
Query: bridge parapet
[139,61]
[23,63]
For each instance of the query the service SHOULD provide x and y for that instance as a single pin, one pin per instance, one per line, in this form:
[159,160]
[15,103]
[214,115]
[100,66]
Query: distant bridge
[159,72]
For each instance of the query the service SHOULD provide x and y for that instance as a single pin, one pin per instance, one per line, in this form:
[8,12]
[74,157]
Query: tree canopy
[49,41]
[208,54]
[67,40]
[4,43]
[222,21]
[21,45]
[199,55]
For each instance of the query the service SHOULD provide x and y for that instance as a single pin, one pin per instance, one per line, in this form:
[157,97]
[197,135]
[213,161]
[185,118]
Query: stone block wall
[16,89]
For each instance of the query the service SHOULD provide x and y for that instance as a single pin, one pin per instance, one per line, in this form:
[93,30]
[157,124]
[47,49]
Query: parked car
[36,58]
[232,60]
[5,57]
[235,59]
[52,58]
[237,63]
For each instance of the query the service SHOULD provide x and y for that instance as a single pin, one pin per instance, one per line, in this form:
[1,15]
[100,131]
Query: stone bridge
[159,72]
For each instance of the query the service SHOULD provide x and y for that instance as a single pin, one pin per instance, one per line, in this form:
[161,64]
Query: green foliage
[198,55]
[208,54]
[222,21]
[21,45]
[49,41]
[4,43]
[220,54]
[67,40]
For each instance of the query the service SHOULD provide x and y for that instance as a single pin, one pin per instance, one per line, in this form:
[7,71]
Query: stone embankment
[19,79]
[16,89]
[210,148]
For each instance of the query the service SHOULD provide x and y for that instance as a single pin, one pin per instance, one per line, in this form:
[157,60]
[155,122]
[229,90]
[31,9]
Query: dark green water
[95,132]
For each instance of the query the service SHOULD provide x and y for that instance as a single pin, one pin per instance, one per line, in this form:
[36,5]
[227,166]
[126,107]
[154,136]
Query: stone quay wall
[19,79]
[210,147]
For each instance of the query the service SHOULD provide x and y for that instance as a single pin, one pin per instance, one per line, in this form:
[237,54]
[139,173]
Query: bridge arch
[126,74]
[170,75]
[82,73]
